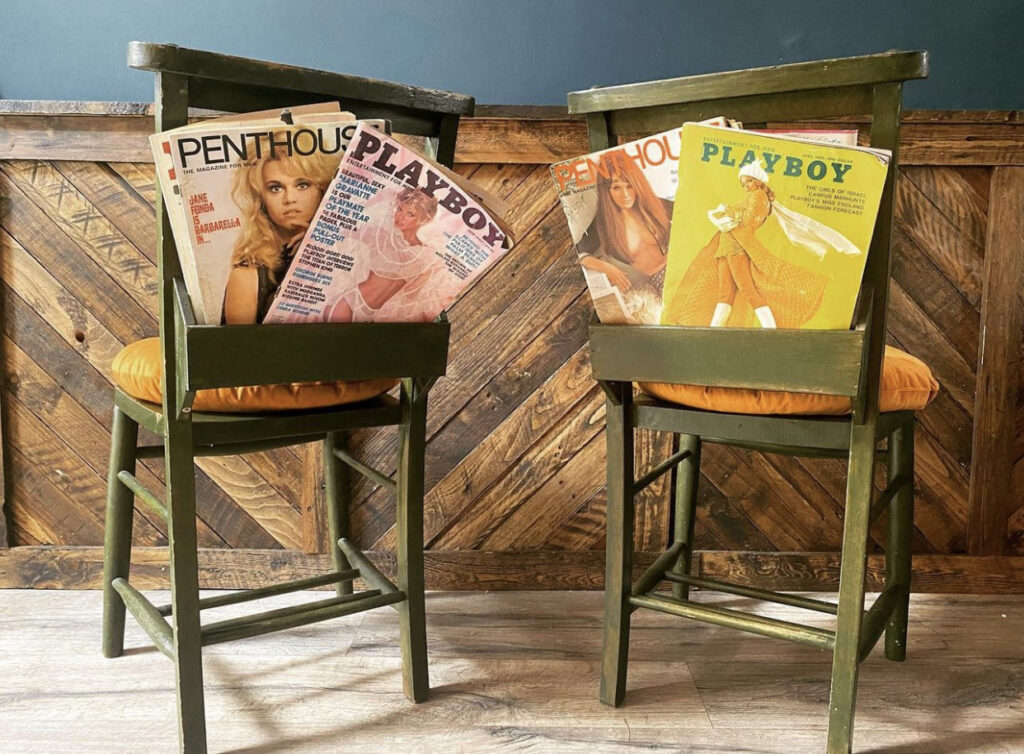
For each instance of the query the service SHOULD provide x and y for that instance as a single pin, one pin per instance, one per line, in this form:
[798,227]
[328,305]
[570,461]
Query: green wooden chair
[845,363]
[198,357]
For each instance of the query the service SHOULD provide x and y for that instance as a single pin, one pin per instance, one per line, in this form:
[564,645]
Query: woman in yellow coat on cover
[773,292]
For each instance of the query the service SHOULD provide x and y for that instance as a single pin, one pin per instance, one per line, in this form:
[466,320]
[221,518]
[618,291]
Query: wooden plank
[83,487]
[140,177]
[524,348]
[501,451]
[583,529]
[83,333]
[954,574]
[60,520]
[727,469]
[258,498]
[992,493]
[927,138]
[116,200]
[81,567]
[498,519]
[513,140]
[90,230]
[957,254]
[915,272]
[921,336]
[58,306]
[651,514]
[580,478]
[941,491]
[64,260]
[312,500]
[75,137]
[80,449]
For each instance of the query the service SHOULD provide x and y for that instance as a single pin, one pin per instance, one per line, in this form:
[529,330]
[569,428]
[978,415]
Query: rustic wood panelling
[515,455]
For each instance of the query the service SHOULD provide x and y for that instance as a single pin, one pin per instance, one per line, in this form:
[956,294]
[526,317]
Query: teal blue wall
[514,51]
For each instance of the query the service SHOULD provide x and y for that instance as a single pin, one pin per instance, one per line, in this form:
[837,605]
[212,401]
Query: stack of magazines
[310,215]
[710,225]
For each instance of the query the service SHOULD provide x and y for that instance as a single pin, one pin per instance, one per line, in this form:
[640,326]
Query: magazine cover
[618,203]
[769,231]
[844,137]
[248,191]
[396,239]
[160,143]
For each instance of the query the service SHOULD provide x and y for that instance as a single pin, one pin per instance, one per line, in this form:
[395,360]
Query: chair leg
[901,527]
[338,491]
[188,660]
[685,495]
[409,530]
[619,559]
[845,660]
[117,537]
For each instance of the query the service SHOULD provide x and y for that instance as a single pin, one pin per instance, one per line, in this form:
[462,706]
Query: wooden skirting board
[81,568]
[115,132]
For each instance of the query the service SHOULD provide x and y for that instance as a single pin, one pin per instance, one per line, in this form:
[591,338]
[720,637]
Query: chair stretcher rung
[296,615]
[147,616]
[367,570]
[368,471]
[129,481]
[650,578]
[873,623]
[149,451]
[816,637]
[270,591]
[670,463]
[887,495]
[759,594]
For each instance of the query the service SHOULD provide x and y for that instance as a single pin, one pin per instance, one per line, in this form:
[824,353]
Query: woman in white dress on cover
[401,278]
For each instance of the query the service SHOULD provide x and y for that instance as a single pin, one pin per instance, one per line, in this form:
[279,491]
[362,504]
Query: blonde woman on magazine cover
[400,277]
[277,197]
[628,239]
[772,292]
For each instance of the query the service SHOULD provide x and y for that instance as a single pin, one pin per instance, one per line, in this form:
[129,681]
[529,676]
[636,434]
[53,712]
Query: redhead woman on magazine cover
[628,239]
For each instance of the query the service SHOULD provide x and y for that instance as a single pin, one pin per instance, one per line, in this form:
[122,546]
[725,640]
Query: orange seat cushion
[907,385]
[137,370]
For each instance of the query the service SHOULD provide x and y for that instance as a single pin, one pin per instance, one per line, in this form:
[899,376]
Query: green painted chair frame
[194,359]
[846,363]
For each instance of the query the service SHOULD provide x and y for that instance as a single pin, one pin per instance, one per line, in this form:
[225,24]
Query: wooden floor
[511,671]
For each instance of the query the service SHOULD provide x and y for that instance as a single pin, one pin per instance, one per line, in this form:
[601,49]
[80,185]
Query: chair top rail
[240,355]
[810,361]
[164,58]
[863,70]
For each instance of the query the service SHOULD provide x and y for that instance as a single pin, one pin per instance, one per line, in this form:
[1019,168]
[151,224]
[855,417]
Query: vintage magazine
[618,203]
[223,179]
[769,231]
[396,239]
[160,144]
[843,137]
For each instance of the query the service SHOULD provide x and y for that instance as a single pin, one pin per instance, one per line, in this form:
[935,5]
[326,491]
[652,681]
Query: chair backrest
[194,355]
[822,362]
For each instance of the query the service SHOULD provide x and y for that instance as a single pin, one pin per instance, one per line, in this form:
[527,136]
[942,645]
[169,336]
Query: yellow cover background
[705,185]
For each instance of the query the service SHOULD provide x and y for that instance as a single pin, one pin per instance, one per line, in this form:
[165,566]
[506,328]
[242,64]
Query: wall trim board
[467,570]
[116,132]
